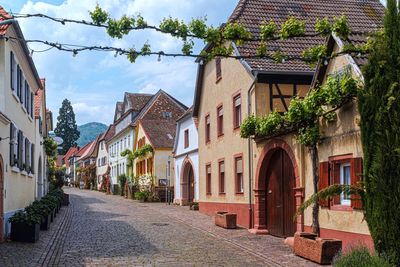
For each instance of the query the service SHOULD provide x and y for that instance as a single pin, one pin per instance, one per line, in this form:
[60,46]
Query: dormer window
[167,115]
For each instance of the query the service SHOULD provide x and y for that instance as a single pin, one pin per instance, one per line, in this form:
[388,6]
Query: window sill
[208,194]
[341,208]
[15,96]
[239,193]
[219,78]
[222,194]
[220,136]
[30,175]
[24,173]
[15,169]
[208,142]
[236,129]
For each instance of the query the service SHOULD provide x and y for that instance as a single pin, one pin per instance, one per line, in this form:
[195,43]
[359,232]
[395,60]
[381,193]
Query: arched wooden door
[1,199]
[280,198]
[187,184]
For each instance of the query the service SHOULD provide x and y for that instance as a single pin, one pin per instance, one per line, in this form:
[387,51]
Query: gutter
[250,152]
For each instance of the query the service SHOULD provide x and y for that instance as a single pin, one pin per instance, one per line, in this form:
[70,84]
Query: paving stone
[103,230]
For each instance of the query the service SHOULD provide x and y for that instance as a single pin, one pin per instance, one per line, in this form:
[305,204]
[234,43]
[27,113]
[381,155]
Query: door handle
[270,192]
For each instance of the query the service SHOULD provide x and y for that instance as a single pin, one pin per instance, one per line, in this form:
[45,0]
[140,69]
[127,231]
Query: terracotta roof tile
[160,132]
[361,15]
[4,16]
[138,101]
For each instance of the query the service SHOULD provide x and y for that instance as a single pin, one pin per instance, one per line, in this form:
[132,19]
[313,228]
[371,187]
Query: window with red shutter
[208,128]
[237,112]
[324,181]
[221,167]
[208,179]
[220,121]
[356,177]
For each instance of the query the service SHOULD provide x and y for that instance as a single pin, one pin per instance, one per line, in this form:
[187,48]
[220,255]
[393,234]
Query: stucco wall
[19,188]
[235,79]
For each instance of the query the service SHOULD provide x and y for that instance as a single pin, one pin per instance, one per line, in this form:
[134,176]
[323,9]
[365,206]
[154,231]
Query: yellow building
[265,180]
[18,162]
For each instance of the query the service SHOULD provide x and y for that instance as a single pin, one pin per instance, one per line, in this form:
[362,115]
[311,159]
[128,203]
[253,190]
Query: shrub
[142,195]
[24,217]
[360,257]
[122,178]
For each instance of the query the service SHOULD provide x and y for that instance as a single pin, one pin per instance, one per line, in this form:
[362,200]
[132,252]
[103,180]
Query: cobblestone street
[101,230]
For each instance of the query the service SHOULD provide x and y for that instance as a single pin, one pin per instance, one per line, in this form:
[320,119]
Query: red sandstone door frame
[187,181]
[260,223]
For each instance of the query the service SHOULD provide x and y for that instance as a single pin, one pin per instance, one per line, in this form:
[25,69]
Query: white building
[19,81]
[186,160]
[102,154]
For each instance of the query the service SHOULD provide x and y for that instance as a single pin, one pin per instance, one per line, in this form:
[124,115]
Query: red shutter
[356,176]
[324,181]
[335,179]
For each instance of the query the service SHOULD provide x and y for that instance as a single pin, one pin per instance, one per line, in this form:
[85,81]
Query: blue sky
[94,81]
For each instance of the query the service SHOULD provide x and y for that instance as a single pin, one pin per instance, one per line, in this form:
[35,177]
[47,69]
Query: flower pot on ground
[45,225]
[194,206]
[225,219]
[25,227]
[65,199]
[319,250]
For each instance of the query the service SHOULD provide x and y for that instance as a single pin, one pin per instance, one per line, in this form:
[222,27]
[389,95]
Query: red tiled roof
[4,16]
[82,151]
[161,133]
[71,151]
[109,133]
[138,101]
[361,16]
[188,112]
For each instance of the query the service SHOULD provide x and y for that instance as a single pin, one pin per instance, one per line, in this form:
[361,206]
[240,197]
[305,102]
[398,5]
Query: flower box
[319,250]
[23,232]
[225,219]
[45,225]
[52,215]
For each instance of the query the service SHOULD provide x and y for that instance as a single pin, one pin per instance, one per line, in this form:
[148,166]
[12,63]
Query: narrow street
[102,230]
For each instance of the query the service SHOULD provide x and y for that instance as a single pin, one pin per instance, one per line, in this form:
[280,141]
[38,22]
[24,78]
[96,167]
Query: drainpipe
[250,152]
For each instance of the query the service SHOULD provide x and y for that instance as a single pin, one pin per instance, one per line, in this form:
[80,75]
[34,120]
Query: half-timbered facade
[263,181]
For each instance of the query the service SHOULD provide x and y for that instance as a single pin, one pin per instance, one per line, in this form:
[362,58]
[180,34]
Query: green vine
[303,114]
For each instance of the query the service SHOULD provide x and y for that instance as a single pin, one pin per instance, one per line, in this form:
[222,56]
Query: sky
[95,81]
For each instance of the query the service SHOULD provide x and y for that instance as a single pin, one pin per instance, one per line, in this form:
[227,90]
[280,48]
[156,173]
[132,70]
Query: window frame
[237,122]
[220,120]
[208,179]
[218,69]
[186,138]
[236,158]
[207,128]
[221,178]
[344,201]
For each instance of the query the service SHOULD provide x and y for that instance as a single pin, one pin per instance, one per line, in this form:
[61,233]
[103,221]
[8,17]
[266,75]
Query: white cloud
[94,81]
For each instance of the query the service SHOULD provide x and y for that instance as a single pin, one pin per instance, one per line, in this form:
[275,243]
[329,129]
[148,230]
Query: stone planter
[225,219]
[319,250]
[53,215]
[45,225]
[65,200]
[22,232]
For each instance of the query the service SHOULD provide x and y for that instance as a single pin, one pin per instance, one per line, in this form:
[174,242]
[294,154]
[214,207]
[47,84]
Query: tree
[66,126]
[379,105]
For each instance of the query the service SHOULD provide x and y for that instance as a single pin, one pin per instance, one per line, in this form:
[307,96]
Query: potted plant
[194,206]
[25,227]
[40,208]
[142,196]
[51,202]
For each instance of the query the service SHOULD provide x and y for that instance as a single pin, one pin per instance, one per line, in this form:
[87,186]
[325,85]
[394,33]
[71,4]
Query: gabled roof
[83,151]
[92,150]
[137,101]
[108,134]
[70,153]
[188,112]
[21,39]
[361,15]
[160,133]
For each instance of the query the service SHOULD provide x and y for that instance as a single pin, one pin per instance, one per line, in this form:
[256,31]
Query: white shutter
[237,101]
[239,165]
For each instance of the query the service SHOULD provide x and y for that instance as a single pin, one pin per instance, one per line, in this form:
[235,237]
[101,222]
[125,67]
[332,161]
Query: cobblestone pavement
[102,230]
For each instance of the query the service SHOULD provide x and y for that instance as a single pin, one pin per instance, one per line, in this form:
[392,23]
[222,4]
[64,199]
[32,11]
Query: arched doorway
[1,199]
[280,200]
[277,191]
[187,183]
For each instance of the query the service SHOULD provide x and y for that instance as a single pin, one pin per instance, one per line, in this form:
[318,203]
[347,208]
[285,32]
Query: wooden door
[191,185]
[280,206]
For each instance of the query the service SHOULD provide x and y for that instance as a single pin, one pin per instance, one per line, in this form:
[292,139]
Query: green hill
[89,132]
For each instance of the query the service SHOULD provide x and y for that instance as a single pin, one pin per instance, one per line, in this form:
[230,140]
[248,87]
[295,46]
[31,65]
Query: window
[13,145]
[150,166]
[129,141]
[19,82]
[220,121]
[32,158]
[101,145]
[218,70]
[31,104]
[345,180]
[167,115]
[208,179]
[208,128]
[221,171]
[12,71]
[237,112]
[186,138]
[239,174]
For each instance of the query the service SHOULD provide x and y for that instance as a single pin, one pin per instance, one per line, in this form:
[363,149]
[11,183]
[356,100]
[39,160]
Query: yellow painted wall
[235,79]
